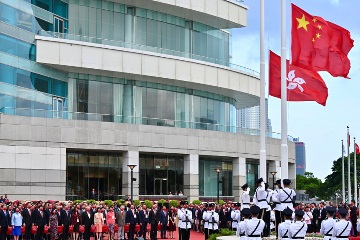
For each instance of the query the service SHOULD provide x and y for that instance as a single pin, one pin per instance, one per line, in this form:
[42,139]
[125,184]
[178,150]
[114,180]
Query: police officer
[242,225]
[235,216]
[186,218]
[213,218]
[283,228]
[179,220]
[254,226]
[286,195]
[342,228]
[327,226]
[297,229]
[260,199]
[206,222]
[277,205]
[245,197]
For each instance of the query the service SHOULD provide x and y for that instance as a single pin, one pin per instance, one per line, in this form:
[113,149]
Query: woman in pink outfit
[99,222]
[110,220]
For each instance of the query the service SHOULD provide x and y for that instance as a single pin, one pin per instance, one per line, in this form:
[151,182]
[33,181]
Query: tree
[309,183]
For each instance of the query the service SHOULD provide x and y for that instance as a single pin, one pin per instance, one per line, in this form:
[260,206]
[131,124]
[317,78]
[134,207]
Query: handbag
[81,229]
[34,229]
[93,229]
[71,229]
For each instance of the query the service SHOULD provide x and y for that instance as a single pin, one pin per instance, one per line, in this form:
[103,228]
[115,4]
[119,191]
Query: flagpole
[343,170]
[349,172]
[284,146]
[263,172]
[355,175]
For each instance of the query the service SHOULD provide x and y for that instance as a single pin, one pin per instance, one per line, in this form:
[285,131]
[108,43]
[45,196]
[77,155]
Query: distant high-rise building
[250,118]
[300,156]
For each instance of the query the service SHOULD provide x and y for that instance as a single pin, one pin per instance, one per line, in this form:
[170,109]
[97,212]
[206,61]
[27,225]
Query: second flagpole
[355,176]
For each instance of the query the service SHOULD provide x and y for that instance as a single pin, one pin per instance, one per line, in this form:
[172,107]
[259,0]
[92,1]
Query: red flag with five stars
[319,45]
[302,84]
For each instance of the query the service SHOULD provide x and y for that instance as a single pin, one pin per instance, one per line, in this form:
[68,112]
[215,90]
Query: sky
[320,128]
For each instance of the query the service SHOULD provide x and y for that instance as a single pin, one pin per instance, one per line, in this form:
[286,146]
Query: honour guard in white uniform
[298,228]
[254,226]
[286,195]
[283,228]
[213,218]
[342,228]
[245,197]
[206,222]
[186,217]
[179,220]
[276,202]
[242,225]
[260,199]
[235,216]
[327,226]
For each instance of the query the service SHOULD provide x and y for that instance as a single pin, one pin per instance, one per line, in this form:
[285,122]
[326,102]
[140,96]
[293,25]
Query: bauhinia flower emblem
[294,82]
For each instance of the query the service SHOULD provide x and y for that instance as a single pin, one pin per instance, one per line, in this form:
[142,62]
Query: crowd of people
[253,217]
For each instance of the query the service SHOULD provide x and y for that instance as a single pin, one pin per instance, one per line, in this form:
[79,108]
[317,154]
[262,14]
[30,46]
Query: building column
[130,157]
[191,176]
[292,174]
[274,166]
[239,176]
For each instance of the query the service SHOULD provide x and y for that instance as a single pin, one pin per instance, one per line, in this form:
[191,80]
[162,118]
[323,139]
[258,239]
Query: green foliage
[214,236]
[137,202]
[76,202]
[223,232]
[161,201]
[120,202]
[309,183]
[221,202]
[110,203]
[174,203]
[91,201]
[148,203]
[197,202]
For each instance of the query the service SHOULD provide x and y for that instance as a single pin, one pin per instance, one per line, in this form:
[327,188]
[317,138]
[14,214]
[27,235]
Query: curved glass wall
[128,101]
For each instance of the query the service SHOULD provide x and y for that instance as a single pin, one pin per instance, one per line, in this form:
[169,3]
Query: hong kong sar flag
[302,84]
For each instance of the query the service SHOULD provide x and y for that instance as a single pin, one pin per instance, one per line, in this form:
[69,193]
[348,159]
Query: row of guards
[105,229]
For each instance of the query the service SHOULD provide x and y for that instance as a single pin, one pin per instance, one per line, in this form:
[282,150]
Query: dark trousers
[3,232]
[265,216]
[206,230]
[65,232]
[27,234]
[131,232]
[179,231]
[163,231]
[40,232]
[354,227]
[185,234]
[277,220]
[143,230]
[87,233]
[153,231]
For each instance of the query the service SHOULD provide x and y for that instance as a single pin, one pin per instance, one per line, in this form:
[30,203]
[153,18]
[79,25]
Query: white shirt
[245,199]
[339,227]
[307,217]
[283,229]
[275,200]
[260,197]
[251,226]
[327,227]
[206,219]
[241,229]
[186,216]
[235,216]
[268,198]
[213,220]
[295,227]
[285,197]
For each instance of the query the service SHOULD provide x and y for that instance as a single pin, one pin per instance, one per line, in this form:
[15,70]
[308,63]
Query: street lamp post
[132,166]
[218,170]
[273,174]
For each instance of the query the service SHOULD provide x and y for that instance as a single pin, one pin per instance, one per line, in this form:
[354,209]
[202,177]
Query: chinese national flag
[318,44]
[357,149]
[302,84]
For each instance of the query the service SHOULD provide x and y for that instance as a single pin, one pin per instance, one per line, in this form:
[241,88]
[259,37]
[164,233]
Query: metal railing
[203,124]
[135,46]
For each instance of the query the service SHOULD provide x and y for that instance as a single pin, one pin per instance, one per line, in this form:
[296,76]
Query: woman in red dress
[75,221]
[171,222]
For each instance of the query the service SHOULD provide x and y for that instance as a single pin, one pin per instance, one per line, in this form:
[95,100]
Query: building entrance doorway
[161,186]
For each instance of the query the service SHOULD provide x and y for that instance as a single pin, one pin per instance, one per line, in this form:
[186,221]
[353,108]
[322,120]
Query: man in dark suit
[5,221]
[223,217]
[87,218]
[316,214]
[163,221]
[131,219]
[353,216]
[27,220]
[40,221]
[154,220]
[58,214]
[65,215]
[143,220]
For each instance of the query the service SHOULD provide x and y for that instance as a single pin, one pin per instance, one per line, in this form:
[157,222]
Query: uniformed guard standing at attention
[283,228]
[242,225]
[254,226]
[277,208]
[235,216]
[179,220]
[298,228]
[186,216]
[327,226]
[286,195]
[342,228]
[245,197]
[213,218]
[260,199]
[206,222]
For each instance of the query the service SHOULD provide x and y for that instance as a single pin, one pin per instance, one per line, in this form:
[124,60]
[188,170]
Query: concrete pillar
[191,176]
[239,176]
[274,166]
[292,174]
[130,157]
